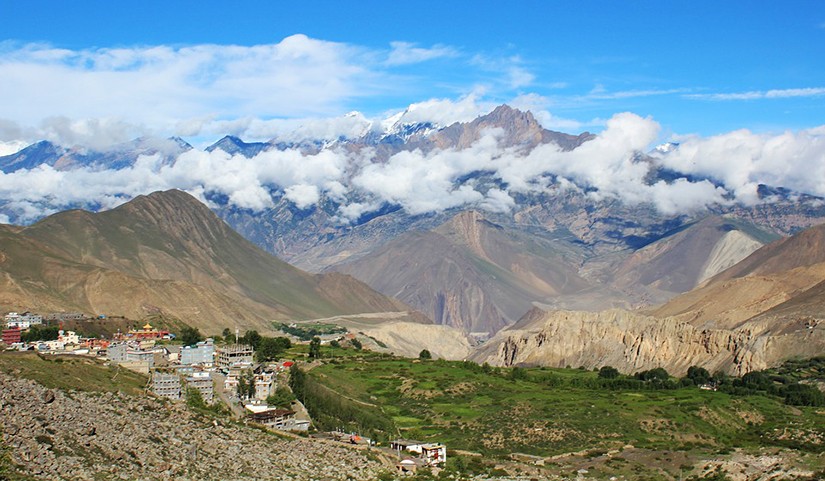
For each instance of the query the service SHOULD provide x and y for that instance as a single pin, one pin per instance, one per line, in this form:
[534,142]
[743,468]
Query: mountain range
[760,311]
[560,245]
[167,253]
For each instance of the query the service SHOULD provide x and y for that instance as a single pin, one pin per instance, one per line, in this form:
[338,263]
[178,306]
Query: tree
[271,348]
[698,375]
[297,382]
[518,373]
[655,374]
[315,348]
[283,343]
[356,344]
[252,338]
[194,399]
[282,398]
[190,336]
[424,354]
[228,336]
[246,384]
[608,372]
[46,333]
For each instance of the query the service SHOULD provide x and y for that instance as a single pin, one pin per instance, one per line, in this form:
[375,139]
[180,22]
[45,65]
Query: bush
[608,372]
[424,354]
[803,395]
[283,398]
[190,336]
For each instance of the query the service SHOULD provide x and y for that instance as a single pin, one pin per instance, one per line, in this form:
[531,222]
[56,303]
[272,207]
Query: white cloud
[516,75]
[762,94]
[609,166]
[497,200]
[298,76]
[743,159]
[442,111]
[8,148]
[404,53]
[599,93]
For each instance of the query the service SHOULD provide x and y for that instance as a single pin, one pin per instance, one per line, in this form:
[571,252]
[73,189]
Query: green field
[548,413]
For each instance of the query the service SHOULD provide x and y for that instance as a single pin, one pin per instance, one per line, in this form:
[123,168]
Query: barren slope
[470,273]
[166,252]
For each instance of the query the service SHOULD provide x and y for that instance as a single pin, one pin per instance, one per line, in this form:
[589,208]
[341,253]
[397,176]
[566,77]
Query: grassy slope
[71,373]
[488,413]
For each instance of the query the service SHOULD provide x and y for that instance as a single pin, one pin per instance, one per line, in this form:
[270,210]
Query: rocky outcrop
[56,435]
[632,342]
[408,339]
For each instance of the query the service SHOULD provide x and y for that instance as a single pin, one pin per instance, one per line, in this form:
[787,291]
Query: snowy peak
[43,152]
[666,148]
[234,146]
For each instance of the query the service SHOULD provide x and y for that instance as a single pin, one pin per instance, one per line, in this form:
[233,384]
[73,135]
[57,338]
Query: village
[212,373]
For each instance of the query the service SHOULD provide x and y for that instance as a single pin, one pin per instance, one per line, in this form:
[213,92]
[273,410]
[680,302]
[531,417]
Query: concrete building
[236,355]
[264,385]
[280,419]
[434,454]
[431,454]
[201,354]
[409,445]
[131,357]
[166,385]
[202,381]
[22,321]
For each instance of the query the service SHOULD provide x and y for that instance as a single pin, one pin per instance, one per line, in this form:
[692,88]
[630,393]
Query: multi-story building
[203,354]
[23,321]
[201,381]
[264,385]
[11,336]
[236,355]
[166,385]
[130,356]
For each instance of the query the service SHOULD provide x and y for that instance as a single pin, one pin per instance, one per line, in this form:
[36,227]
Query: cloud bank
[608,167]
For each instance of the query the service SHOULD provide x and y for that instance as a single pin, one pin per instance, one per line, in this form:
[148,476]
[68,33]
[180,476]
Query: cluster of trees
[190,336]
[315,348]
[761,382]
[266,348]
[755,382]
[305,333]
[246,384]
[282,398]
[35,333]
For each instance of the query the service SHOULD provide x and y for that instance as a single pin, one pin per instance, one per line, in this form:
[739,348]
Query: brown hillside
[166,253]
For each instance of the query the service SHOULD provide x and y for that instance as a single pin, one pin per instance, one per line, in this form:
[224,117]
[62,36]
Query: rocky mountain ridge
[632,342]
[167,253]
[761,311]
[606,251]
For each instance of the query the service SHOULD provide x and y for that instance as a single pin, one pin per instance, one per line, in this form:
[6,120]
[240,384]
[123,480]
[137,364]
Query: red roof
[288,363]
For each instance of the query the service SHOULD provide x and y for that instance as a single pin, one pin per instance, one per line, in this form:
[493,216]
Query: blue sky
[703,67]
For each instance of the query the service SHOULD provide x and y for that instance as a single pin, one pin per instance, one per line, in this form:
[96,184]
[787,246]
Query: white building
[68,337]
[23,321]
[264,385]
